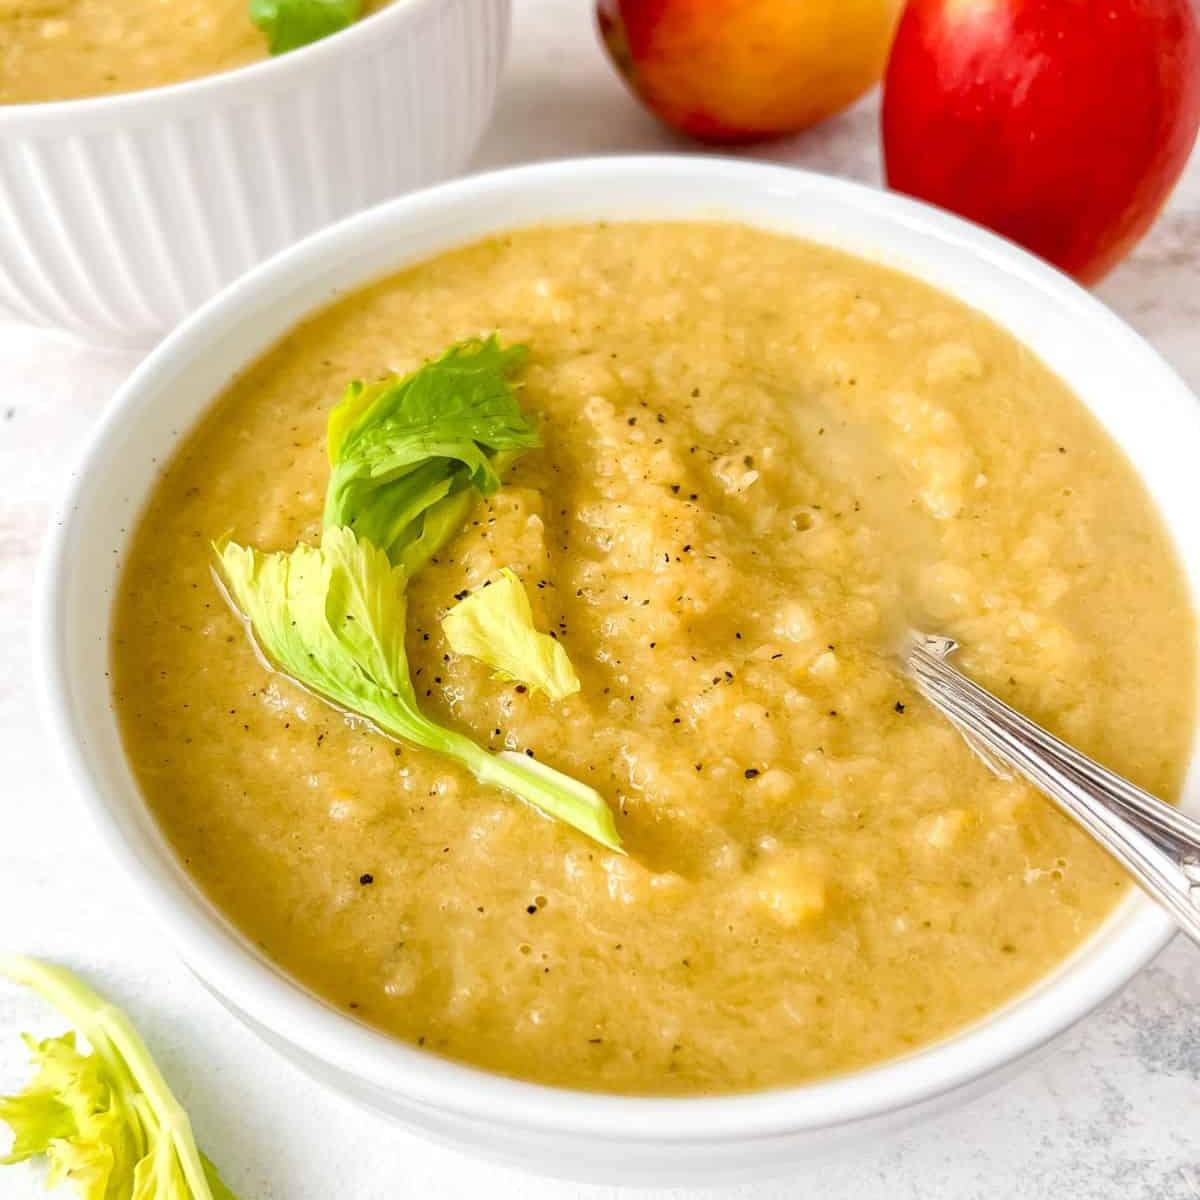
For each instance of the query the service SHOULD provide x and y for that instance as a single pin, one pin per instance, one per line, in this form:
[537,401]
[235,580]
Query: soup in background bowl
[761,458]
[68,49]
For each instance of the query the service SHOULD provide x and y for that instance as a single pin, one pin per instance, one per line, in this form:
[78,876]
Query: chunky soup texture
[68,49]
[763,459]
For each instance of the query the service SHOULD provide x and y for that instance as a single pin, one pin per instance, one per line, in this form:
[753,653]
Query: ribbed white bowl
[121,214]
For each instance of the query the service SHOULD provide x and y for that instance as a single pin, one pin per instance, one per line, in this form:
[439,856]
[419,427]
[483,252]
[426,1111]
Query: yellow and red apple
[741,70]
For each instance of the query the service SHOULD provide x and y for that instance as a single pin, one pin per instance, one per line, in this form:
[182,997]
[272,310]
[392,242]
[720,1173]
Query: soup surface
[763,458]
[67,49]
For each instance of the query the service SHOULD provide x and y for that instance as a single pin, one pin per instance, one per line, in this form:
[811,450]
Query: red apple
[739,70]
[1062,124]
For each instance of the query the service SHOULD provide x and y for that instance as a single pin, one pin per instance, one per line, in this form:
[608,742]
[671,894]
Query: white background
[1113,1113]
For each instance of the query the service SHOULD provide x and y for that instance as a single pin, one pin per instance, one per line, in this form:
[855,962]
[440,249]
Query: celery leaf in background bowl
[290,24]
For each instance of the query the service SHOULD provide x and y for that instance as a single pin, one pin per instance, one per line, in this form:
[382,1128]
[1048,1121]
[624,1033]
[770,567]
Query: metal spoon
[1157,844]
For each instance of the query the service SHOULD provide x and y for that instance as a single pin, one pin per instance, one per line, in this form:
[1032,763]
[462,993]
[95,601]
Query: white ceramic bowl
[1137,397]
[121,214]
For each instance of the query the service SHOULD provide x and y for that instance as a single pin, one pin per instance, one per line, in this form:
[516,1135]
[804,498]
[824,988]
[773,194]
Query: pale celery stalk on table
[105,1121]
[408,458]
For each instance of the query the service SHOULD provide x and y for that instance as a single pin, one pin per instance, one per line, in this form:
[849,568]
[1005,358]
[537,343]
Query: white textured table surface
[1114,1113]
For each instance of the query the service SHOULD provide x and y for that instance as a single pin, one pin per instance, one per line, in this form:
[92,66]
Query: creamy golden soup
[67,49]
[762,458]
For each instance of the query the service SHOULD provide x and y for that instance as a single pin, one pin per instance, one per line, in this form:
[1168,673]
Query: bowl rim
[215,86]
[421,1078]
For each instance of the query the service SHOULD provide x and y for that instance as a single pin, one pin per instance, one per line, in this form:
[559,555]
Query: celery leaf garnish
[333,619]
[495,625]
[407,455]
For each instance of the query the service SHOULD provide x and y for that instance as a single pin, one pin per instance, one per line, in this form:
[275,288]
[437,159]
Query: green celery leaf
[495,625]
[66,1112]
[106,1121]
[332,617]
[407,453]
[290,24]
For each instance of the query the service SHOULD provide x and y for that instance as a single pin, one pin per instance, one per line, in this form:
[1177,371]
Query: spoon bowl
[1157,844]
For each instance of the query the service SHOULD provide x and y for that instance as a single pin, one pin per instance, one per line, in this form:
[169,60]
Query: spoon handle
[1156,843]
